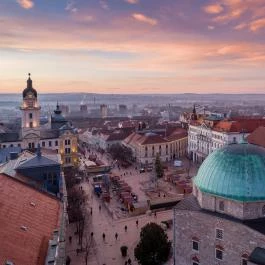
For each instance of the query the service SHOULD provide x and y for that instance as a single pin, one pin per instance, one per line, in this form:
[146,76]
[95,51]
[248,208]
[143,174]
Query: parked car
[149,169]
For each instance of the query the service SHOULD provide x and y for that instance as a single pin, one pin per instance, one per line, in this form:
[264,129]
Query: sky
[133,46]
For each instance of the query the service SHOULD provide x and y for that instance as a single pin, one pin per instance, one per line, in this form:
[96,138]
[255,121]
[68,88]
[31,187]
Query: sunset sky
[133,46]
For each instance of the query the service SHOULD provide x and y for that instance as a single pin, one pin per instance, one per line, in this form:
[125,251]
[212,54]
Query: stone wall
[237,239]
[240,210]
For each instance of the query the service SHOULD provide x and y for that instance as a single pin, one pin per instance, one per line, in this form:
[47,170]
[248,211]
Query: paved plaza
[103,221]
[108,252]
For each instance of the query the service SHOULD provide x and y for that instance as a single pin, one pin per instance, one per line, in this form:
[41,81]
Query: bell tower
[30,109]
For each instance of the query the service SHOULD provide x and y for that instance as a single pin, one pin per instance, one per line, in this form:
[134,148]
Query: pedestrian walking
[137,222]
[91,211]
[125,228]
[116,236]
[126,263]
[129,261]
[103,236]
[70,239]
[91,234]
[99,207]
[155,214]
[68,260]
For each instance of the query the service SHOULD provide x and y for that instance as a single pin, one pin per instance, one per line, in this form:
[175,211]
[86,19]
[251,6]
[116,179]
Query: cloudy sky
[133,46]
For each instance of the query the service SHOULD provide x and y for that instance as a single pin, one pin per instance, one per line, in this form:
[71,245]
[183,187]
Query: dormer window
[30,115]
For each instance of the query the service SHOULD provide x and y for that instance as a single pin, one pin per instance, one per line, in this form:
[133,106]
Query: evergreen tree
[154,246]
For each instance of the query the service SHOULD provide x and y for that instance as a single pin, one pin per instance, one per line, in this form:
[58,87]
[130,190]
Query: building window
[263,210]
[67,150]
[43,144]
[56,143]
[218,253]
[68,160]
[50,143]
[30,115]
[31,124]
[67,141]
[11,145]
[19,145]
[195,245]
[219,233]
[221,206]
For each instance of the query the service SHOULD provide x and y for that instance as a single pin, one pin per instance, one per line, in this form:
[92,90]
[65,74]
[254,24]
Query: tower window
[56,143]
[263,210]
[219,233]
[50,143]
[221,206]
[30,115]
[218,254]
[195,245]
[43,144]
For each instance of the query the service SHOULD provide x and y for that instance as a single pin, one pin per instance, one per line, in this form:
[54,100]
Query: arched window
[221,206]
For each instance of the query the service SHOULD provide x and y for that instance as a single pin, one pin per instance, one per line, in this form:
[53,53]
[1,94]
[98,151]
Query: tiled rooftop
[27,220]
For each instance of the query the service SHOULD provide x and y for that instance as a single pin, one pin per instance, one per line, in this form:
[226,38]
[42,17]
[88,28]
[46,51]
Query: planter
[124,251]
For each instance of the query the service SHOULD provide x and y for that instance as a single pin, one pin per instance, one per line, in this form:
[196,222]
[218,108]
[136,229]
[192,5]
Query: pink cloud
[213,9]
[142,18]
[257,24]
[132,1]
[27,4]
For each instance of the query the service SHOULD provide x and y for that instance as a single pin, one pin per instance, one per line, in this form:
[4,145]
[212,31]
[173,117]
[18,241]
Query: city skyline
[133,46]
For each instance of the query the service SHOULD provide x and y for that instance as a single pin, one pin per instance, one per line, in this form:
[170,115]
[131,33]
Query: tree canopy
[154,246]
[120,152]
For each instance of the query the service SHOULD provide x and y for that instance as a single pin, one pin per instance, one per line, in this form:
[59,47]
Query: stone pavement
[108,251]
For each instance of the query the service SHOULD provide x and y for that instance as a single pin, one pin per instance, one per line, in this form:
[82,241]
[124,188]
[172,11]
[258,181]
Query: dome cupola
[29,90]
[235,172]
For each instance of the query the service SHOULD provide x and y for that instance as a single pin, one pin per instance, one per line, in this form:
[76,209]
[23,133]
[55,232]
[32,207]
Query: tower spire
[29,82]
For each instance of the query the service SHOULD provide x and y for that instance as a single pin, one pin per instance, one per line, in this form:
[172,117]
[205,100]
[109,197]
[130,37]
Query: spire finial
[29,81]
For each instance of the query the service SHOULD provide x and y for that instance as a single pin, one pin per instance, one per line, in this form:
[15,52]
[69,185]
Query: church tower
[30,124]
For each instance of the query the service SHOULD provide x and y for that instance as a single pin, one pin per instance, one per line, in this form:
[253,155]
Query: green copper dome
[235,172]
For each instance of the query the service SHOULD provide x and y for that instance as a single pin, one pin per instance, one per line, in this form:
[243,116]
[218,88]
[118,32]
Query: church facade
[58,134]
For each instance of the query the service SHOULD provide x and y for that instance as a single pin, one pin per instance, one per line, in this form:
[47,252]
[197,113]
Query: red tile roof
[257,137]
[25,247]
[177,134]
[244,125]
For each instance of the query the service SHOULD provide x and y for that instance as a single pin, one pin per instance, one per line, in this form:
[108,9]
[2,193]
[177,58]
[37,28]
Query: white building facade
[204,139]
